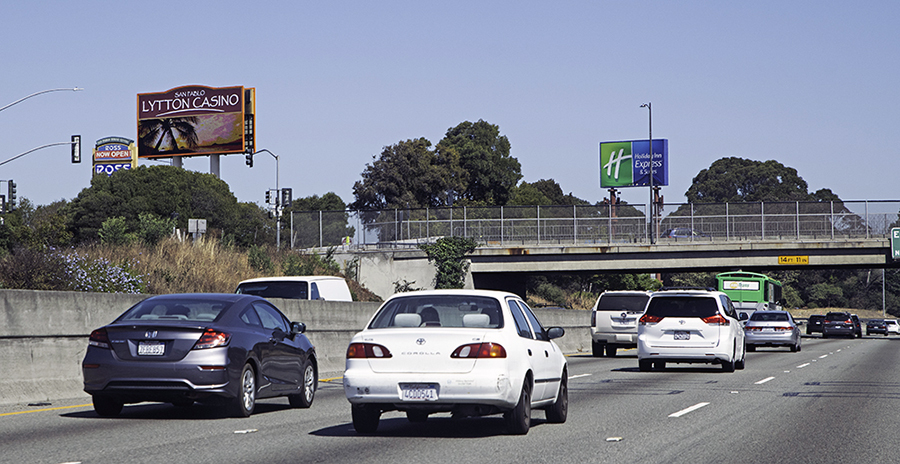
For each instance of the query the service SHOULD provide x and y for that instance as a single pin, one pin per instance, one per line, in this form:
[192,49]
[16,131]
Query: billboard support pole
[651,203]
[214,165]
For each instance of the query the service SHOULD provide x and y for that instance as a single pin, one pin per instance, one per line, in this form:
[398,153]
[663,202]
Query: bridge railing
[505,226]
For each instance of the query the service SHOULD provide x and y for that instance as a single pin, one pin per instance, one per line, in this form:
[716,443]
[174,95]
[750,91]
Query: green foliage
[403,286]
[543,192]
[152,228]
[27,268]
[55,270]
[259,260]
[294,264]
[552,293]
[326,214]
[114,231]
[164,191]
[448,255]
[480,156]
[738,179]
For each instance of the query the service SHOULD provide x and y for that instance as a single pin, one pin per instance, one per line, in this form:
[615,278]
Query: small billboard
[194,121]
[113,154]
[627,163]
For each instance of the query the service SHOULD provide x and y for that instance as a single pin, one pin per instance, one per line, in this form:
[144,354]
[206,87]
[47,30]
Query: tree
[404,176]
[166,192]
[487,173]
[334,219]
[738,179]
[448,255]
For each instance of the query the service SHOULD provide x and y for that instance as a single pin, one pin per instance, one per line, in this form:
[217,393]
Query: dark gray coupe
[200,347]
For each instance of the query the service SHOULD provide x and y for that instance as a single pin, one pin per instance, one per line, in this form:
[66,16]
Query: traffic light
[249,157]
[76,149]
[2,204]
[286,197]
[12,195]
[268,197]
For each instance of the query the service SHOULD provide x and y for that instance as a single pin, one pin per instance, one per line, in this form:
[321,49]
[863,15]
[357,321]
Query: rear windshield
[634,303]
[439,311]
[769,317]
[276,289]
[175,310]
[837,317]
[682,306]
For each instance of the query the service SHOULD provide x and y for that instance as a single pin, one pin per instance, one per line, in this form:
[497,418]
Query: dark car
[684,232]
[814,323]
[876,326]
[857,325]
[838,324]
[202,347]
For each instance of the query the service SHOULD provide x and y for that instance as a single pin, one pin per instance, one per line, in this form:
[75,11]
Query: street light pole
[36,149]
[39,93]
[651,204]
[277,199]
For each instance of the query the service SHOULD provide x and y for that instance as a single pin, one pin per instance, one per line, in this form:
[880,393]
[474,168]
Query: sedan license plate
[151,348]
[418,392]
[682,335]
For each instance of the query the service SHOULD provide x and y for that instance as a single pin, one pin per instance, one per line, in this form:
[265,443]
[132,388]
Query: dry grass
[205,266]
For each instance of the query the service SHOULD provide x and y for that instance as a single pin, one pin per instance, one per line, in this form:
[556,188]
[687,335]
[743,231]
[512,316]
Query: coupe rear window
[634,303]
[769,317]
[678,306]
[439,311]
[175,310]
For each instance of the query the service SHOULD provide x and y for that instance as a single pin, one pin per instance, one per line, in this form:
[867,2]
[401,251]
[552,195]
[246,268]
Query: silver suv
[614,320]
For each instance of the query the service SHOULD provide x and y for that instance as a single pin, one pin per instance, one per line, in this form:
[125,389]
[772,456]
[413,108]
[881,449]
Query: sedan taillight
[212,338]
[99,338]
[367,350]
[479,350]
[718,319]
[648,319]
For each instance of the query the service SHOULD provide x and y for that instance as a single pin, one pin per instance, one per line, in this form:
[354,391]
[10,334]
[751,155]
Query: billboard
[112,154]
[194,121]
[626,163]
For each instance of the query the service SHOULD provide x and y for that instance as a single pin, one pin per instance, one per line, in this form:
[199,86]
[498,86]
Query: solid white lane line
[687,410]
[764,380]
[579,376]
[802,365]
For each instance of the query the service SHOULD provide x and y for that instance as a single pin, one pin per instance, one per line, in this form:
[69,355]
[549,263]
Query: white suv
[614,320]
[690,326]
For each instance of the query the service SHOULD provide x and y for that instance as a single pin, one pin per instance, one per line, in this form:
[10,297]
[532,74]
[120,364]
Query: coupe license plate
[682,335]
[151,348]
[418,392]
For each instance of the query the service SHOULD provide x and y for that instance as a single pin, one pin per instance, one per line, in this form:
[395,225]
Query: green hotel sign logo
[616,165]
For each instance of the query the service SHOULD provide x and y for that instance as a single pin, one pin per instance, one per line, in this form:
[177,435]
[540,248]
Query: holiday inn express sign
[627,164]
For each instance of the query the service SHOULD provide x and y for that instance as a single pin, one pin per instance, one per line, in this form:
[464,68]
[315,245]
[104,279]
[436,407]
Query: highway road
[837,400]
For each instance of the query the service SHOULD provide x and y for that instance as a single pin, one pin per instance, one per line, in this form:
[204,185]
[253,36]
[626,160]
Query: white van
[297,288]
[614,320]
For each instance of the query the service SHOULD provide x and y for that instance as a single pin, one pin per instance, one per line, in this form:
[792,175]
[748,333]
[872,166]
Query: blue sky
[810,84]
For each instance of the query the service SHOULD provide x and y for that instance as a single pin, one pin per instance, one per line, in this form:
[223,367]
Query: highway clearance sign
[895,243]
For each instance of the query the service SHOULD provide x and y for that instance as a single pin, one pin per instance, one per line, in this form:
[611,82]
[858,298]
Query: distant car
[814,323]
[684,232]
[838,323]
[202,347]
[892,326]
[690,326]
[772,328]
[614,320]
[466,352]
[329,288]
[876,326]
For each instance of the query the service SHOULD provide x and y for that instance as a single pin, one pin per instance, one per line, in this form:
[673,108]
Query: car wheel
[610,351]
[644,366]
[795,348]
[743,362]
[559,411]
[416,416]
[519,419]
[596,349]
[307,393]
[751,348]
[245,402]
[106,406]
[365,418]
[729,366]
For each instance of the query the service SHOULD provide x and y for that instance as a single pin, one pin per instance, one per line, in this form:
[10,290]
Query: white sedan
[466,352]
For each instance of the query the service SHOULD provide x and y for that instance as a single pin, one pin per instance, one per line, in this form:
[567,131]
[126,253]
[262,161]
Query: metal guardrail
[504,226]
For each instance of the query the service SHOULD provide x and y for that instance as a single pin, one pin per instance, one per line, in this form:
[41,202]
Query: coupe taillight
[648,319]
[367,350]
[212,338]
[479,350]
[718,319]
[99,338]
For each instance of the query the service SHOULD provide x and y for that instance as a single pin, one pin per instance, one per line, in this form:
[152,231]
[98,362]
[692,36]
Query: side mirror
[744,317]
[298,327]
[555,332]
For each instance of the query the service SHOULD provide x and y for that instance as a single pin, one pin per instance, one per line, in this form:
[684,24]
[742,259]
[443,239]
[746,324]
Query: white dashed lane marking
[687,410]
[764,381]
